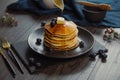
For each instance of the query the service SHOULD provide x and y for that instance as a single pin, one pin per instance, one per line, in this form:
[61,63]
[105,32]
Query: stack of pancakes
[61,36]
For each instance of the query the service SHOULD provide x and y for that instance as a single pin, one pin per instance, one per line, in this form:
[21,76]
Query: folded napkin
[72,11]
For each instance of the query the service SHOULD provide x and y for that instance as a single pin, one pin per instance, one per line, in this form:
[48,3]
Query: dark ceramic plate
[84,35]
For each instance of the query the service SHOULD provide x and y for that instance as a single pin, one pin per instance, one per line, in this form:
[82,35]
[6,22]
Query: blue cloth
[72,11]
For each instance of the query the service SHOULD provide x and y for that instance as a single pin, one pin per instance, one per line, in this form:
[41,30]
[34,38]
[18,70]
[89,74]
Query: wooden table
[87,70]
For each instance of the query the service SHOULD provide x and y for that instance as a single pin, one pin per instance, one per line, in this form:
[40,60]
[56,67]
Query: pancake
[63,35]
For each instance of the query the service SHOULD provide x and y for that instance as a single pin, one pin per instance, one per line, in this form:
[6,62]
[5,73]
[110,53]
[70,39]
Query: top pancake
[61,29]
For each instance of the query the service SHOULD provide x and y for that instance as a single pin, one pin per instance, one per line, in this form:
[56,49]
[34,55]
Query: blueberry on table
[100,53]
[103,60]
[103,56]
[38,41]
[92,56]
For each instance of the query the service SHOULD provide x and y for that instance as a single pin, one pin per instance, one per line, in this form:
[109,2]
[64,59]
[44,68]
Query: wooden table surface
[85,70]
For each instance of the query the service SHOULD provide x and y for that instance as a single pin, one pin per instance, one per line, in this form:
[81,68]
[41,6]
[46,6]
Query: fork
[10,67]
[6,45]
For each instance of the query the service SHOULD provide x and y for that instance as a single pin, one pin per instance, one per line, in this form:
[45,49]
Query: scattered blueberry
[106,50]
[38,41]
[104,56]
[92,56]
[100,51]
[103,60]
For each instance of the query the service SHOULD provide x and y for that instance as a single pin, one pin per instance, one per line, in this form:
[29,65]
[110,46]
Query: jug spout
[54,4]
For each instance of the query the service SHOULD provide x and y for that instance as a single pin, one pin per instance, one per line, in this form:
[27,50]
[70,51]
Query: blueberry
[104,56]
[92,56]
[52,24]
[101,51]
[81,44]
[103,60]
[43,23]
[38,41]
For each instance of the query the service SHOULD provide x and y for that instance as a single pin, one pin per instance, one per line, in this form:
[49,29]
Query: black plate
[83,34]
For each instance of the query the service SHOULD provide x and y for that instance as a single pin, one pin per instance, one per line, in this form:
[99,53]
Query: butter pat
[60,20]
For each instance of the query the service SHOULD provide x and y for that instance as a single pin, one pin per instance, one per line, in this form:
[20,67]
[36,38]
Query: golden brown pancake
[61,36]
